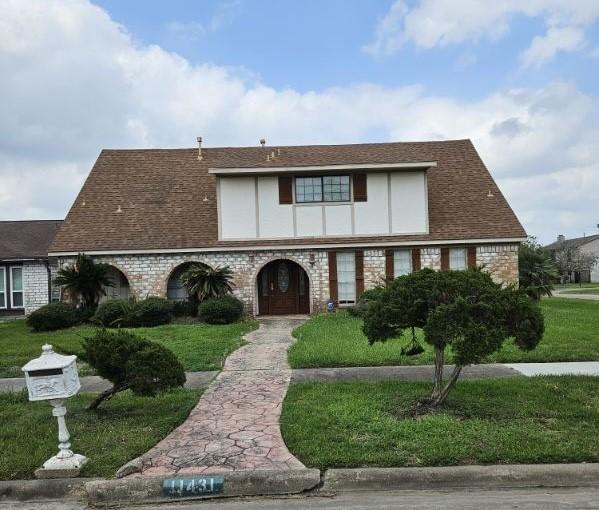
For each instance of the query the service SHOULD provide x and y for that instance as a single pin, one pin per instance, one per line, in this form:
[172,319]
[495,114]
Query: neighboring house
[586,244]
[299,225]
[25,269]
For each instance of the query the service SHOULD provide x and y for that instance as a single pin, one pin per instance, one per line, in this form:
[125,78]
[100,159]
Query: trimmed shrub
[53,316]
[223,310]
[187,308]
[131,362]
[366,299]
[152,311]
[111,313]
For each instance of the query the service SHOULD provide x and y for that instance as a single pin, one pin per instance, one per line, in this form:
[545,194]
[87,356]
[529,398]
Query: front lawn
[123,428]
[336,340]
[588,290]
[516,420]
[198,346]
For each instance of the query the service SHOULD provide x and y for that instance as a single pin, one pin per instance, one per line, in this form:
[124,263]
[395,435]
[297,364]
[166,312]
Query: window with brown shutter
[285,189]
[359,273]
[360,188]
[333,276]
[416,265]
[444,259]
[389,274]
[471,257]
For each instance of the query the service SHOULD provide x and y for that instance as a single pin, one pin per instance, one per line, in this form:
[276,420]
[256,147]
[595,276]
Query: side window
[402,262]
[457,258]
[16,287]
[2,287]
[346,277]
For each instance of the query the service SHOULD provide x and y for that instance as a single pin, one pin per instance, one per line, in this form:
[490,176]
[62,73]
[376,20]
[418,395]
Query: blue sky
[520,78]
[311,45]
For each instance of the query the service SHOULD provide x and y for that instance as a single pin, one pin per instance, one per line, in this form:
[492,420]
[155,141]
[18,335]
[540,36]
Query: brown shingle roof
[160,193]
[21,240]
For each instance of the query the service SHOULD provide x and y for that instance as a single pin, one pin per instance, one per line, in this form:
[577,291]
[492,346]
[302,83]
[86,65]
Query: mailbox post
[54,377]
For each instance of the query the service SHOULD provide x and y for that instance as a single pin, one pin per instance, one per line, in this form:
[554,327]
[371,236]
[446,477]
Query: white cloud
[438,23]
[544,48]
[191,30]
[77,82]
[224,14]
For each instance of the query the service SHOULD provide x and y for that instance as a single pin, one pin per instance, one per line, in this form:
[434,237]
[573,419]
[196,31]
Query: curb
[516,475]
[236,483]
[61,488]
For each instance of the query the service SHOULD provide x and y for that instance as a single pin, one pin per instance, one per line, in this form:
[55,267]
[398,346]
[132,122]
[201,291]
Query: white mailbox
[54,377]
[51,376]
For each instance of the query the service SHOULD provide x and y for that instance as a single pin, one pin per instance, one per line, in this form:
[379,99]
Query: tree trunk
[106,395]
[440,398]
[438,377]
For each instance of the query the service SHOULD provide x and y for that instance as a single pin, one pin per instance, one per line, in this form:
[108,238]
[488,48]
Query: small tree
[537,270]
[570,259]
[462,309]
[130,362]
[85,280]
[207,282]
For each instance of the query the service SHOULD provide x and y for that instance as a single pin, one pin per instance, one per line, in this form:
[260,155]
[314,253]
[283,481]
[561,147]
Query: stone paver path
[235,425]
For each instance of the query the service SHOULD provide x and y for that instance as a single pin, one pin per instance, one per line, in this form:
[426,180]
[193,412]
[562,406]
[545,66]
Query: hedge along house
[26,270]
[297,224]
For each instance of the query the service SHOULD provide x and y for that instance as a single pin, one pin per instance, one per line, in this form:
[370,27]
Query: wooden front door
[283,289]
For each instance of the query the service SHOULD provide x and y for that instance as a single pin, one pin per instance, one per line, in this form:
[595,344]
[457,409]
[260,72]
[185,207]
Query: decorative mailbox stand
[54,377]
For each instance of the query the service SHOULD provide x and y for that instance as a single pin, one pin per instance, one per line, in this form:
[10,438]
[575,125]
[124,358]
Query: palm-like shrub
[537,270]
[84,280]
[207,282]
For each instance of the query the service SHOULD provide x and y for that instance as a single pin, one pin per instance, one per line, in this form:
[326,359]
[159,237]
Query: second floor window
[326,188]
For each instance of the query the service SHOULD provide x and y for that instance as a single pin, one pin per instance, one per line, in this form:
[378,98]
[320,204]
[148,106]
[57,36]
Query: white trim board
[414,165]
[322,246]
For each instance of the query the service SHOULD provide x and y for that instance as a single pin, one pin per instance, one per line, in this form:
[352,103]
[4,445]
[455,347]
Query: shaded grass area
[336,340]
[123,428]
[590,290]
[568,286]
[198,346]
[516,420]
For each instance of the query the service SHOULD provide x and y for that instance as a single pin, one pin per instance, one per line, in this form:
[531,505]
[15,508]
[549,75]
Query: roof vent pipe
[263,141]
[199,148]
[561,238]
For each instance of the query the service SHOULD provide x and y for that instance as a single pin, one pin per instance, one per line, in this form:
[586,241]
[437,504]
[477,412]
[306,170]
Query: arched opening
[175,290]
[283,289]
[120,288]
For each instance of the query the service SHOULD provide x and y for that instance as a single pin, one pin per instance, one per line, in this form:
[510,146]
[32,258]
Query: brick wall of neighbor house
[148,274]
[35,284]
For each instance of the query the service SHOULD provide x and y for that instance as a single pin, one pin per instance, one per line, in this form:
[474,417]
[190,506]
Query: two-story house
[297,224]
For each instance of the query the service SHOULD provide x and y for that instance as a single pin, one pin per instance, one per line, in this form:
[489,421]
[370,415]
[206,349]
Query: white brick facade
[35,285]
[148,274]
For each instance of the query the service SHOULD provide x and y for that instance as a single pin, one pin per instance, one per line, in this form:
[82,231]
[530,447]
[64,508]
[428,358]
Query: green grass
[123,428]
[198,346]
[567,286]
[336,340]
[516,420]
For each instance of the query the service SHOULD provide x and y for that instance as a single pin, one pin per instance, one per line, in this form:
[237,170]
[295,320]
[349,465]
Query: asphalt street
[521,499]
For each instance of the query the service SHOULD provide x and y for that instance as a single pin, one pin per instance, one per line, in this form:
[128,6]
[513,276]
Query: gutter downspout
[47,264]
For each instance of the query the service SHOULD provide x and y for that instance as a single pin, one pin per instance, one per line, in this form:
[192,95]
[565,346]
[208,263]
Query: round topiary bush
[53,316]
[366,299]
[111,313]
[222,310]
[186,308]
[152,311]
[131,362]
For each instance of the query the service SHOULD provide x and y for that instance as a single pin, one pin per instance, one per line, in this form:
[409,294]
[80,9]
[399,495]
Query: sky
[518,77]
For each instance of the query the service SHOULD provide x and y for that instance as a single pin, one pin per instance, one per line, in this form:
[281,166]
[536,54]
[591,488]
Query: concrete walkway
[561,368]
[235,425]
[573,295]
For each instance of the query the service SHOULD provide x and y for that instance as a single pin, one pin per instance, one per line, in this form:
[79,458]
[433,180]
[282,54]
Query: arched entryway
[283,289]
[175,290]
[120,288]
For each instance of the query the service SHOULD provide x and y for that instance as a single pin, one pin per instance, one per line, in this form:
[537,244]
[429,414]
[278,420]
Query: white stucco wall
[592,247]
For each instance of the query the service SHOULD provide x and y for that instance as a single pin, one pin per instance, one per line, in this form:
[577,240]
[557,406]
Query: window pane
[17,299]
[346,277]
[457,258]
[308,189]
[2,288]
[336,188]
[402,262]
[17,279]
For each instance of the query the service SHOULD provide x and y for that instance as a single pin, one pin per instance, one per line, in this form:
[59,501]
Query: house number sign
[185,487]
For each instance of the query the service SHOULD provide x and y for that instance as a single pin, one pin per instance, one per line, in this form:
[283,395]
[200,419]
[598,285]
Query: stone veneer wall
[35,285]
[148,274]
